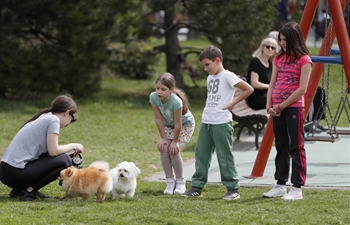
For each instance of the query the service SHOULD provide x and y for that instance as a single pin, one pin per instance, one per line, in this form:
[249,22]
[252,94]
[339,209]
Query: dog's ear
[69,172]
[136,170]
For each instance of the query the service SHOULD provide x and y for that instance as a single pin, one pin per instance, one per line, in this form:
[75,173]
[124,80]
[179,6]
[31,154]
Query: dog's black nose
[60,182]
[122,175]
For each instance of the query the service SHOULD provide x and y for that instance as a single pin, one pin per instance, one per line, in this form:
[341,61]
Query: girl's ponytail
[183,96]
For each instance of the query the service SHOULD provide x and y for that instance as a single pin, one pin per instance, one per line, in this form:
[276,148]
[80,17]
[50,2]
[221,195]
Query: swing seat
[322,138]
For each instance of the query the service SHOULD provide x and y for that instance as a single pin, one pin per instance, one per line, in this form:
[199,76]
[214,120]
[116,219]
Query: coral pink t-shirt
[288,79]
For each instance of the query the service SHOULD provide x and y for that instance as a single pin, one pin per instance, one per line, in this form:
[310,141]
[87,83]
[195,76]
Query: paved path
[328,164]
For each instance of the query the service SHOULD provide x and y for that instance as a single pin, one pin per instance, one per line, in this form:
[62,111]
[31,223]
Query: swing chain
[344,100]
[330,124]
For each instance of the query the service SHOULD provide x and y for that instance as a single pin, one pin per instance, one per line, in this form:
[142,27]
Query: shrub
[136,59]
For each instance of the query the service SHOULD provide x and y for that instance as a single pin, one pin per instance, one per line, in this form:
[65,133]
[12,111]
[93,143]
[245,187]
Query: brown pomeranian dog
[93,180]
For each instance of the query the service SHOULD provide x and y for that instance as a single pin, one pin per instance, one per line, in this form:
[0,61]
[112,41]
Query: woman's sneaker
[180,187]
[276,191]
[169,190]
[294,194]
[39,195]
[193,192]
[28,196]
[15,193]
[31,196]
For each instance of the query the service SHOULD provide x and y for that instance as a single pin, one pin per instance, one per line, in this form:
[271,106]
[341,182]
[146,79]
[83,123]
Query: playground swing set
[337,27]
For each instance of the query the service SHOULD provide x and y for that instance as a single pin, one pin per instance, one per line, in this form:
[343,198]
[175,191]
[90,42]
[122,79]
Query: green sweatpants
[219,138]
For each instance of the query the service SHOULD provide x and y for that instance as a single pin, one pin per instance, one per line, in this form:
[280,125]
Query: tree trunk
[172,46]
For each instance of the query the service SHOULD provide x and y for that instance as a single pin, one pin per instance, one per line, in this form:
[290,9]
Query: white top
[220,92]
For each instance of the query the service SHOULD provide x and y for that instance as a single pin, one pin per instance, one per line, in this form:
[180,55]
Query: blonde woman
[259,72]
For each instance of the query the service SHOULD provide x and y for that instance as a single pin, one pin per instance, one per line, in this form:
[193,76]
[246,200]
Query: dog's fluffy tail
[101,165]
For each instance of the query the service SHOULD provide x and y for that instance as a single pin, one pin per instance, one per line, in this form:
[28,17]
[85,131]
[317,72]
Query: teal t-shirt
[167,109]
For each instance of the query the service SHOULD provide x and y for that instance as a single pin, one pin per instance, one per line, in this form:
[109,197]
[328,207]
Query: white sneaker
[169,190]
[276,191]
[293,194]
[180,187]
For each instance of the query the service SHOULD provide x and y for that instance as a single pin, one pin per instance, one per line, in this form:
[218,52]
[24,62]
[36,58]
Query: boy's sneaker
[293,194]
[169,190]
[231,195]
[193,192]
[276,191]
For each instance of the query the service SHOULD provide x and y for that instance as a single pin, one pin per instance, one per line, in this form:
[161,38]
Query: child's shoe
[193,192]
[169,190]
[294,194]
[180,187]
[231,195]
[276,191]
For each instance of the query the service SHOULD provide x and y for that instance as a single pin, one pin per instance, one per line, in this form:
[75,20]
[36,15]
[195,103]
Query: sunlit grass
[117,124]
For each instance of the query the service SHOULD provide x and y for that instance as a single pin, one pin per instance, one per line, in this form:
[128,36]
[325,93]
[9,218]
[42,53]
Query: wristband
[278,106]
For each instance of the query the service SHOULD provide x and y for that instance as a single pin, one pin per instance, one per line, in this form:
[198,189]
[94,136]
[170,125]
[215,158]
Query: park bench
[246,117]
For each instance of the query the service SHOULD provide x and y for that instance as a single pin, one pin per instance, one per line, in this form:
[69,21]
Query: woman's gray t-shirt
[31,141]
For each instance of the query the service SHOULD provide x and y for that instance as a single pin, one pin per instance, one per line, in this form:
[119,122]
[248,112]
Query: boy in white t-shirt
[216,132]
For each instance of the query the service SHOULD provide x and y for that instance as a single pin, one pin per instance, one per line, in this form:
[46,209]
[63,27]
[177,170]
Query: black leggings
[36,174]
[289,139]
[257,102]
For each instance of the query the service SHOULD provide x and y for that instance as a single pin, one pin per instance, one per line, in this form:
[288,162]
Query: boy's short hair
[211,52]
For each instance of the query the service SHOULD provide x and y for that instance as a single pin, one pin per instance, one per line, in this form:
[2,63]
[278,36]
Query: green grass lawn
[117,124]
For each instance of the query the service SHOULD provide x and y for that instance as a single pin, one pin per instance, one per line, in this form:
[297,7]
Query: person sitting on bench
[259,72]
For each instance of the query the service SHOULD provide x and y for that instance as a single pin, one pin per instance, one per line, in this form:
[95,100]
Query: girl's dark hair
[60,104]
[168,80]
[295,44]
[211,52]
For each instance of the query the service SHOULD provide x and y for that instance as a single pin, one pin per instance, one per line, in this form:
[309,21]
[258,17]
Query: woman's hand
[161,144]
[78,149]
[174,148]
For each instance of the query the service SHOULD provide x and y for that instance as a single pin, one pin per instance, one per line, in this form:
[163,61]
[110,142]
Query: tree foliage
[59,46]
[55,46]
[236,27]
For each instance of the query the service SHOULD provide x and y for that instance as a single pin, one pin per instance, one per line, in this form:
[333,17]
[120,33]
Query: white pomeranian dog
[124,177]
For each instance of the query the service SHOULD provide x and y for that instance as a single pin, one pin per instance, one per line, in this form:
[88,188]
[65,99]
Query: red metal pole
[264,152]
[324,51]
[267,141]
[342,35]
[308,16]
